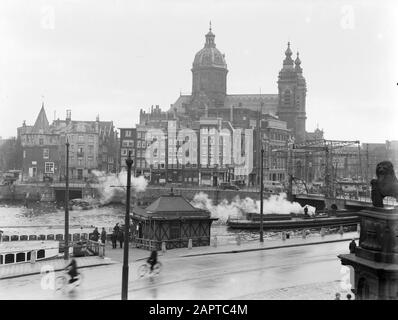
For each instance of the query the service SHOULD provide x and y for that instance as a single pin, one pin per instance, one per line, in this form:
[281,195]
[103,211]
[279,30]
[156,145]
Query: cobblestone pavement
[313,291]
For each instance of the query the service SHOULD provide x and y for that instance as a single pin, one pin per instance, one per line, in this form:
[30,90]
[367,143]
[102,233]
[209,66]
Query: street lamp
[125,274]
[66,252]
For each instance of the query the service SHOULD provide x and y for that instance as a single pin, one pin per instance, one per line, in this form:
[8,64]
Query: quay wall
[51,193]
[30,192]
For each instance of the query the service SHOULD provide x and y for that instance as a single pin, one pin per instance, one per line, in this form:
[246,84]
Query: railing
[170,243]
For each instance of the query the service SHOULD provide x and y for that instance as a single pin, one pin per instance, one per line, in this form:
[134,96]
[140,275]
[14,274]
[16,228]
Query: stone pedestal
[375,260]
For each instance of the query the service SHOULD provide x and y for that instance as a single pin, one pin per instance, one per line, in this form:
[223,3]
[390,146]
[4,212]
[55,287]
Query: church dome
[209,56]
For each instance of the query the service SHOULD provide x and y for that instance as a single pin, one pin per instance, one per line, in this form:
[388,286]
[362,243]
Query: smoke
[112,187]
[239,207]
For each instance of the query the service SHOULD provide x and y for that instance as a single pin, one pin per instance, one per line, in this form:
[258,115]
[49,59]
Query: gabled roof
[170,203]
[41,125]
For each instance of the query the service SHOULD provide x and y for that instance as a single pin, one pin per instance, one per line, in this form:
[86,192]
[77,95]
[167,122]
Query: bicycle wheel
[79,280]
[142,270]
[156,268]
[60,282]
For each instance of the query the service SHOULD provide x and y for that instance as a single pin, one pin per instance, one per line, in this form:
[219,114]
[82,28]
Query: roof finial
[210,26]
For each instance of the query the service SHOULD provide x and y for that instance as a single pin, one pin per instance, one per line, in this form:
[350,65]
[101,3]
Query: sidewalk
[136,254]
[113,256]
[25,269]
[270,244]
[312,291]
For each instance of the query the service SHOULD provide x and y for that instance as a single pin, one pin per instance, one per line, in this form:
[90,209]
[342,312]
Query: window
[128,133]
[91,138]
[49,167]
[41,141]
[138,144]
[174,231]
[90,150]
[24,154]
[20,257]
[46,153]
[9,258]
[124,152]
[40,254]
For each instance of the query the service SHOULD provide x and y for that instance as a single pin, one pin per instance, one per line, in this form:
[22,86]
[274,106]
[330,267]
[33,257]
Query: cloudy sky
[114,57]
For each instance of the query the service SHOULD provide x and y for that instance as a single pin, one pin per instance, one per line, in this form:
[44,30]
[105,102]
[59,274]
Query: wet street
[222,276]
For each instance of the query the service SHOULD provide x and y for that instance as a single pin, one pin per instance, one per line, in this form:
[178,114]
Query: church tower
[292,91]
[209,76]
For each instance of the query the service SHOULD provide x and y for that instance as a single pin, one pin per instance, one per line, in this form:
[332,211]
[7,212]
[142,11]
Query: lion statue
[386,184]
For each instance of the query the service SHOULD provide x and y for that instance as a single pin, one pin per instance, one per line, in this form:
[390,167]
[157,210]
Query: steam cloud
[239,207]
[112,187]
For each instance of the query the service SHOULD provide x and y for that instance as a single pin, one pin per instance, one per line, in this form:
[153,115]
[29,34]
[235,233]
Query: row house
[92,146]
[40,146]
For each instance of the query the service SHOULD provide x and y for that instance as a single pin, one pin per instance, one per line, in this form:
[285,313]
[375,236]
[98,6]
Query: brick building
[93,146]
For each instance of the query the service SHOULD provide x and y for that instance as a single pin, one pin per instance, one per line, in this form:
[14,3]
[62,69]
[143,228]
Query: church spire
[288,59]
[298,64]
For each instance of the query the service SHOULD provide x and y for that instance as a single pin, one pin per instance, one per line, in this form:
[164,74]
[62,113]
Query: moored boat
[24,251]
[293,221]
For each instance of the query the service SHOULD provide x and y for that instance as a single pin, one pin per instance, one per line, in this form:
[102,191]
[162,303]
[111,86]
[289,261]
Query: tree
[10,154]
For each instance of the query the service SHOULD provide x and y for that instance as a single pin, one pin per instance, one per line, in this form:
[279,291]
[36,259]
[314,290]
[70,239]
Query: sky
[111,58]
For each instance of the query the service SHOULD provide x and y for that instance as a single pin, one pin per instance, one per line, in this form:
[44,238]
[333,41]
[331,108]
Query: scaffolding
[330,148]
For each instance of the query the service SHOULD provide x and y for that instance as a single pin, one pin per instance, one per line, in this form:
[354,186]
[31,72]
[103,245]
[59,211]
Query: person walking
[337,296]
[95,235]
[349,296]
[103,236]
[114,239]
[116,229]
[120,237]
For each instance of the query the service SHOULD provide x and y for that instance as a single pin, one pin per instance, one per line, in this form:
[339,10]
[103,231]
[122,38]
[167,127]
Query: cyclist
[72,271]
[153,259]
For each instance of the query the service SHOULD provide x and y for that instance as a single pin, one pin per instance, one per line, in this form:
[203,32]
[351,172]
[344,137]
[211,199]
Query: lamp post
[66,252]
[261,195]
[125,274]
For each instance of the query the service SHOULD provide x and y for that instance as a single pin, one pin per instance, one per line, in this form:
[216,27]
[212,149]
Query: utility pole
[290,162]
[261,196]
[125,274]
[66,252]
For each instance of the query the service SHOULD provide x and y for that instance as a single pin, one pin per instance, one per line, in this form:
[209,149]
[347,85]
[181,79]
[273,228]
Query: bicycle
[145,269]
[62,282]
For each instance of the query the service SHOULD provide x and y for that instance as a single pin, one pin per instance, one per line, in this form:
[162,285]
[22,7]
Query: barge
[294,221]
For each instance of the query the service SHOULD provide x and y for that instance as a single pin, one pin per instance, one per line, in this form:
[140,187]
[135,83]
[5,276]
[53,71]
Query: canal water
[46,218]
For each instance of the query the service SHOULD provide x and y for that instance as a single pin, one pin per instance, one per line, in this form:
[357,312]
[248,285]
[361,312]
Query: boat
[294,221]
[15,252]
